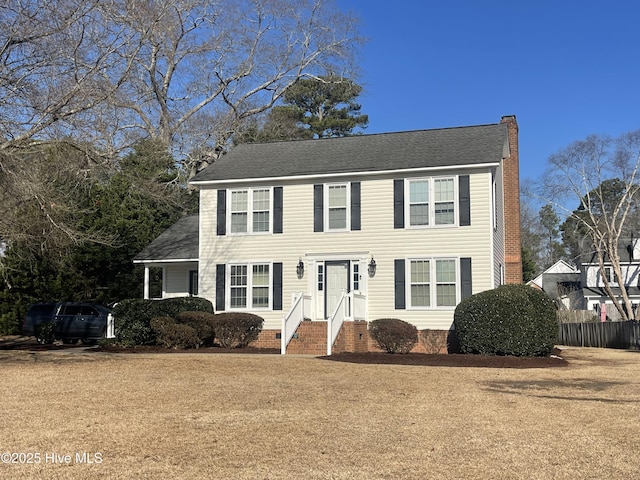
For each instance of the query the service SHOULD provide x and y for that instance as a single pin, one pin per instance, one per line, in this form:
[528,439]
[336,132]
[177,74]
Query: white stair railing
[359,306]
[291,321]
[335,321]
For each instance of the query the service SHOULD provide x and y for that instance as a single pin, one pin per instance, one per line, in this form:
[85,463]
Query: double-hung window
[433,283]
[337,207]
[250,286]
[431,202]
[251,210]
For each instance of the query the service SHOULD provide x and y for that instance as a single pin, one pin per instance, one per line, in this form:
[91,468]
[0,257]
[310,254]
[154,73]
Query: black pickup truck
[70,322]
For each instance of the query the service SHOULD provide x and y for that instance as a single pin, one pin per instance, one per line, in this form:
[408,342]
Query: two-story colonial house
[401,225]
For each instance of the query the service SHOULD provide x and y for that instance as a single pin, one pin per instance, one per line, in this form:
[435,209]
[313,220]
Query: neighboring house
[593,283]
[561,282]
[352,229]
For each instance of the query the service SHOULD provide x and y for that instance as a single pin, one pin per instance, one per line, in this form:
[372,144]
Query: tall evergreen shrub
[509,320]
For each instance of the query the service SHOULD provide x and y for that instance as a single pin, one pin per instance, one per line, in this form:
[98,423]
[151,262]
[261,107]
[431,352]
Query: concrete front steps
[311,338]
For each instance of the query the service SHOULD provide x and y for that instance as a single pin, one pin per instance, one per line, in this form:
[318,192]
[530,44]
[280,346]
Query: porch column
[146,283]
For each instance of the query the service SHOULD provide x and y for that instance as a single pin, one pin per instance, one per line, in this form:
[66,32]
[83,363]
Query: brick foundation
[354,337]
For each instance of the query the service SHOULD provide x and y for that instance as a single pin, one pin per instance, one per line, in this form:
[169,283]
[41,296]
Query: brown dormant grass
[195,416]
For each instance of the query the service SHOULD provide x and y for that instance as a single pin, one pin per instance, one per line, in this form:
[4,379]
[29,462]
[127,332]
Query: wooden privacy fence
[600,334]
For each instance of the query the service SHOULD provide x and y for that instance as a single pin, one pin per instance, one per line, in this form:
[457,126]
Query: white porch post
[146,282]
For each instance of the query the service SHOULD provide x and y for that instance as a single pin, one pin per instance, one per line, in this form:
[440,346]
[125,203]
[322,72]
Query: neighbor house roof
[459,146]
[178,243]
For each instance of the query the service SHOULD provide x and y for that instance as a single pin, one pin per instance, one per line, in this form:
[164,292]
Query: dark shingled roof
[361,153]
[179,242]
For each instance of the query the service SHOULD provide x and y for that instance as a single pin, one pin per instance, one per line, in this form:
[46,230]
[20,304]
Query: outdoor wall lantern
[300,269]
[372,267]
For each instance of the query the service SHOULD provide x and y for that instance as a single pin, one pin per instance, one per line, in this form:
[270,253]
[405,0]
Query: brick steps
[310,339]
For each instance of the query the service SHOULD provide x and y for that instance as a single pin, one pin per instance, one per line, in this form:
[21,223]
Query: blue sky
[565,68]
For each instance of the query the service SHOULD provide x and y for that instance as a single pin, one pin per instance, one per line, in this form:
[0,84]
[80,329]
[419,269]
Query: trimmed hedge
[236,329]
[132,316]
[394,335]
[509,320]
[174,335]
[202,322]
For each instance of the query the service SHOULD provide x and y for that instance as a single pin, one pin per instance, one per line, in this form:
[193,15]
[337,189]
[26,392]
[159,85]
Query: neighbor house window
[250,286]
[250,210]
[433,283]
[337,206]
[431,202]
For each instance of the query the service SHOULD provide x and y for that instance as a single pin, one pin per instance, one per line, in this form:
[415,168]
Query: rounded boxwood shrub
[394,335]
[237,329]
[509,320]
[174,335]
[201,322]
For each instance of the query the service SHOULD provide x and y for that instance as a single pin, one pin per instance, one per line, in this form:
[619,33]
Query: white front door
[337,281]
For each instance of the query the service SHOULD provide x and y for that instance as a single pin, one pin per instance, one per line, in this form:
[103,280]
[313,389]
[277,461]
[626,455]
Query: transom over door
[336,281]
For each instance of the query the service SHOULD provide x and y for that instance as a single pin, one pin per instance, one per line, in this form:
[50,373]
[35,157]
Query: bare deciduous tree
[584,171]
[204,67]
[108,73]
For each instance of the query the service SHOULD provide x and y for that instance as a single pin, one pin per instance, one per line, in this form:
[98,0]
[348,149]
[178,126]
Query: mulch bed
[451,360]
[379,358]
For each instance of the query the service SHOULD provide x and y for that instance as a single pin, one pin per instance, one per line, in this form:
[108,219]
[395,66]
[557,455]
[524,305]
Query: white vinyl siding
[377,238]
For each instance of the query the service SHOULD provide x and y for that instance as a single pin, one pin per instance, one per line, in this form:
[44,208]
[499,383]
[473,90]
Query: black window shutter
[220,274]
[464,200]
[398,203]
[318,210]
[465,278]
[355,205]
[277,210]
[398,272]
[221,228]
[277,286]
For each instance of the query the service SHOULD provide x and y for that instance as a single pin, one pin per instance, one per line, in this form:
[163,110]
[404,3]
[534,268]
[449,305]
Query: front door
[336,281]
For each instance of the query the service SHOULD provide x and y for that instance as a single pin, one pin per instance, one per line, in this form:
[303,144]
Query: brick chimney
[511,179]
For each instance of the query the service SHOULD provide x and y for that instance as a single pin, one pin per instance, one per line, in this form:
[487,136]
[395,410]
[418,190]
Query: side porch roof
[179,243]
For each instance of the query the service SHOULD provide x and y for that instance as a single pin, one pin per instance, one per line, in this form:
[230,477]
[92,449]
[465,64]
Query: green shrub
[236,329]
[179,336]
[159,324]
[9,324]
[509,320]
[201,322]
[132,316]
[394,335]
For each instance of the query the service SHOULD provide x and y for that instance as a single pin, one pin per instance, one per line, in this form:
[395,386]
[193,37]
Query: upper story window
[250,211]
[337,207]
[431,202]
